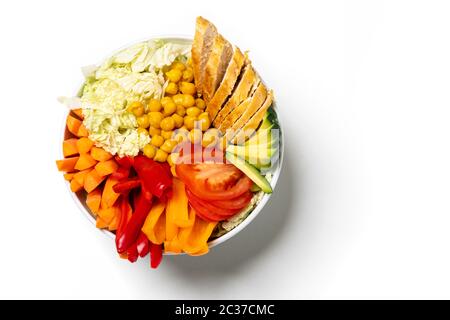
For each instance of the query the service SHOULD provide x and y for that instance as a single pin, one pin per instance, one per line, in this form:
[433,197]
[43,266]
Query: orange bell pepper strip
[194,240]
[155,224]
[177,205]
[172,246]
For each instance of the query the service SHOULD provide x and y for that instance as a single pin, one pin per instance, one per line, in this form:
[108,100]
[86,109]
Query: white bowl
[80,198]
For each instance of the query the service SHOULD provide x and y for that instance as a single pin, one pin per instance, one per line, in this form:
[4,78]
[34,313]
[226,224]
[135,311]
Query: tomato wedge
[236,203]
[222,212]
[210,181]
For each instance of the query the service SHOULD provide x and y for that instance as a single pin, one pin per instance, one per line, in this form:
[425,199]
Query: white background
[362,207]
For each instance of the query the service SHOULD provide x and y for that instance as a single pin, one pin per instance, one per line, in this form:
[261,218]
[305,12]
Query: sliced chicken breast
[228,83]
[250,127]
[205,34]
[242,90]
[216,66]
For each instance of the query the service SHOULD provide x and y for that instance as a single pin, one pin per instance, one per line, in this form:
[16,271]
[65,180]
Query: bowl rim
[276,172]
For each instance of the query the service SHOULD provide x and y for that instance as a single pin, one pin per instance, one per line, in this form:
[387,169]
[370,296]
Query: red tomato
[210,181]
[223,213]
[236,203]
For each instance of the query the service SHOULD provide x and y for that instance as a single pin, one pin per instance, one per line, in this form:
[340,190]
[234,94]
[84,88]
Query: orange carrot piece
[75,186]
[80,176]
[101,224]
[114,222]
[70,147]
[84,145]
[100,154]
[105,168]
[109,197]
[79,113]
[67,164]
[68,176]
[73,124]
[93,200]
[107,214]
[85,162]
[82,131]
[92,181]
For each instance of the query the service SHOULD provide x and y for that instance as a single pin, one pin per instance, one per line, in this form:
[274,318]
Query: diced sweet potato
[107,214]
[105,168]
[84,145]
[100,154]
[79,113]
[80,176]
[109,197]
[73,124]
[67,164]
[85,162]
[92,181]
[93,200]
[82,131]
[101,224]
[75,186]
[68,176]
[70,147]
[114,222]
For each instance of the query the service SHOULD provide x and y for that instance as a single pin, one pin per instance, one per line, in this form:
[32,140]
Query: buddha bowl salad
[171,144]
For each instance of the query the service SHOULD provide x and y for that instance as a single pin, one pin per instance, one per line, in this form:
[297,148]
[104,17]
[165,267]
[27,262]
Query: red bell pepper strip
[124,208]
[135,224]
[154,177]
[121,173]
[126,162]
[132,253]
[155,255]
[143,245]
[125,186]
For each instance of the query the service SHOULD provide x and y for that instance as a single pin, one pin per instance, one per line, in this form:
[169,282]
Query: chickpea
[143,121]
[204,120]
[167,124]
[200,103]
[157,141]
[142,131]
[189,122]
[188,75]
[179,121]
[173,158]
[188,101]
[178,99]
[149,151]
[204,124]
[210,138]
[187,88]
[195,136]
[181,111]
[154,105]
[155,119]
[160,156]
[178,65]
[180,135]
[170,108]
[172,88]
[168,145]
[174,75]
[193,111]
[137,108]
[154,131]
[167,134]
[165,101]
